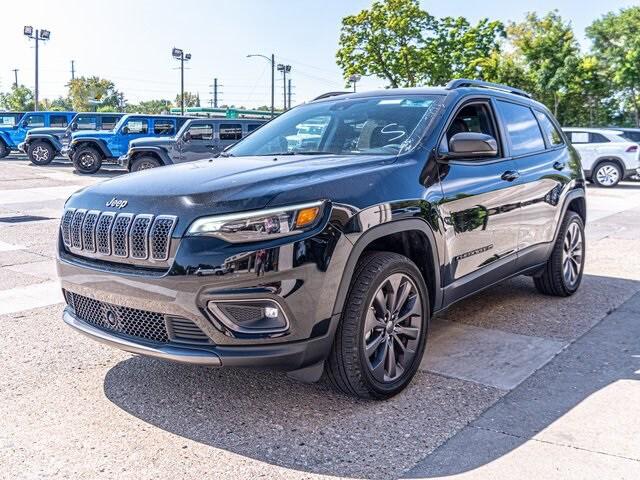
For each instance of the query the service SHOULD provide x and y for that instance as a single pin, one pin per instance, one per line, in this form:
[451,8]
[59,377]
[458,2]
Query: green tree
[190,100]
[154,106]
[86,93]
[19,98]
[398,41]
[616,43]
[550,50]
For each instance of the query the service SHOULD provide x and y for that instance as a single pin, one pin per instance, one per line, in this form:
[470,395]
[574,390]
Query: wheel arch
[608,158]
[412,238]
[151,152]
[96,143]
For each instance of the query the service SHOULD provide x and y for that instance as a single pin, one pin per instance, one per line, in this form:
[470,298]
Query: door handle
[558,165]
[510,175]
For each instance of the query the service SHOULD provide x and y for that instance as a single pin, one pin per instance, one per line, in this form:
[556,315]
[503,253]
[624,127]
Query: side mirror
[74,126]
[187,136]
[24,124]
[471,145]
[125,130]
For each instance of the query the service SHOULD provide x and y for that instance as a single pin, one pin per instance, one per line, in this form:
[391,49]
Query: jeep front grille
[151,326]
[124,235]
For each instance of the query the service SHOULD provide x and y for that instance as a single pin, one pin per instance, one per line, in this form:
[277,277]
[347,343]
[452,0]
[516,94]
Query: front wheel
[607,175]
[562,274]
[144,163]
[87,160]
[4,150]
[382,334]
[40,153]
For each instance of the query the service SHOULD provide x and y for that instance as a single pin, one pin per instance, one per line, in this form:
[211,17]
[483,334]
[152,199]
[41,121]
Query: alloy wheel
[40,154]
[86,160]
[572,254]
[607,175]
[146,166]
[392,328]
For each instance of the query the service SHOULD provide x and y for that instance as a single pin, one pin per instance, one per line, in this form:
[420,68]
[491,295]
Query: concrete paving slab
[9,247]
[15,257]
[32,296]
[8,197]
[44,270]
[490,357]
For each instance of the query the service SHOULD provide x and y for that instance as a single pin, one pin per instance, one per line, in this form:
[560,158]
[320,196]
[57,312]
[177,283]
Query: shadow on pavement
[265,416]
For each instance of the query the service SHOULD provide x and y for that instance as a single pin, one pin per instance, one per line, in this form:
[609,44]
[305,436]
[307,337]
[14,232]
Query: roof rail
[329,94]
[466,82]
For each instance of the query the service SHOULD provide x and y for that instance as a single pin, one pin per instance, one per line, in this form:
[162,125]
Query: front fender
[158,152]
[51,139]
[4,137]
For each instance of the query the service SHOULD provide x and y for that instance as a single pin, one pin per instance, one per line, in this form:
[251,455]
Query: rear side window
[230,131]
[252,126]
[35,121]
[7,120]
[633,136]
[550,131]
[597,138]
[136,125]
[522,128]
[201,132]
[59,121]
[163,127]
[579,137]
[109,122]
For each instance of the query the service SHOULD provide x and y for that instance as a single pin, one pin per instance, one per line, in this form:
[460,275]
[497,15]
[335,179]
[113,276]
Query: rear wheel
[562,274]
[87,160]
[144,163]
[607,174]
[4,150]
[381,337]
[40,153]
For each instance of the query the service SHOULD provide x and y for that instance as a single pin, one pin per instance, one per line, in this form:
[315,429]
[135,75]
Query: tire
[40,153]
[4,150]
[87,160]
[144,163]
[607,174]
[349,368]
[555,279]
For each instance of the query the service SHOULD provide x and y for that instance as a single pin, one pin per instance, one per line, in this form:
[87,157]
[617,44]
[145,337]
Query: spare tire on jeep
[87,160]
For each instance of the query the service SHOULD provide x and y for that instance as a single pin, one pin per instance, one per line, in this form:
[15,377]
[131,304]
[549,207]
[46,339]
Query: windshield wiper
[225,154]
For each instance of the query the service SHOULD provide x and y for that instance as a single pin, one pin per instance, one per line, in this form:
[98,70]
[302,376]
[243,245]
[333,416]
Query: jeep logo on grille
[112,320]
[114,202]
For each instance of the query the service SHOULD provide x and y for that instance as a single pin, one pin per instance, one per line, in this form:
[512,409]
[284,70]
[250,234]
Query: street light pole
[179,54]
[284,69]
[36,35]
[272,61]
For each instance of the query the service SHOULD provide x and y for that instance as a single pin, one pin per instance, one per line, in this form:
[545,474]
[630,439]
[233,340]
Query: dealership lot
[73,408]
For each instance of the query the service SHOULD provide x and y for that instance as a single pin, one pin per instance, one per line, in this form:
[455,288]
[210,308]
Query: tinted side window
[522,128]
[633,136]
[597,138]
[135,125]
[163,127]
[253,126]
[201,132]
[109,122]
[35,121]
[230,131]
[551,133]
[59,121]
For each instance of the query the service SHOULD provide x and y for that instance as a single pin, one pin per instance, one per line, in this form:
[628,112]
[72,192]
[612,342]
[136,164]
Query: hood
[92,134]
[152,142]
[229,184]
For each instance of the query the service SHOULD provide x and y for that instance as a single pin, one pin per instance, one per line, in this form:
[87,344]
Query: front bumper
[22,147]
[123,161]
[65,151]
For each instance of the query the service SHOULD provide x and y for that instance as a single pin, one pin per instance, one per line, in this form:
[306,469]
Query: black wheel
[40,153]
[607,175]
[4,150]
[144,163]
[562,274]
[382,334]
[87,160]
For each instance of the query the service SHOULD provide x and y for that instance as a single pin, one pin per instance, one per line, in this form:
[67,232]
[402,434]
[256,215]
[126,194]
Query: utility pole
[179,54]
[272,61]
[289,93]
[215,93]
[353,79]
[36,35]
[15,73]
[73,70]
[284,69]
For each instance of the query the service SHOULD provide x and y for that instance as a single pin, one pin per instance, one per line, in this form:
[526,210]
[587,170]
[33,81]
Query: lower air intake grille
[151,326]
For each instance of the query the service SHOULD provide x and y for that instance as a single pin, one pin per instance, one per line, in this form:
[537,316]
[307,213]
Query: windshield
[361,126]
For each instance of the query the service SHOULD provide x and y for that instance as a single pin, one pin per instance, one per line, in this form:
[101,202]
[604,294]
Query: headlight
[260,225]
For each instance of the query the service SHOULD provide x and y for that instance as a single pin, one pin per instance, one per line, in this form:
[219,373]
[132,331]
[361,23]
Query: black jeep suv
[327,239]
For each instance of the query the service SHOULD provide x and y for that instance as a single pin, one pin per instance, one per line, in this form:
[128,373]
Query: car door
[228,134]
[199,143]
[480,210]
[29,121]
[543,162]
[134,127]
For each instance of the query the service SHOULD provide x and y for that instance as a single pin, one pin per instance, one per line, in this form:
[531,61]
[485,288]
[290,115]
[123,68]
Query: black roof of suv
[327,238]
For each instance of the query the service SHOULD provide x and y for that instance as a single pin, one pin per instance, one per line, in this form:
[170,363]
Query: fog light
[250,316]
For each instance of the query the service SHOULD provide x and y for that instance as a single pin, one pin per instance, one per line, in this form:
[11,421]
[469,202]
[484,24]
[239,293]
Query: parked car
[607,156]
[12,135]
[631,134]
[334,258]
[88,150]
[197,139]
[8,120]
[42,145]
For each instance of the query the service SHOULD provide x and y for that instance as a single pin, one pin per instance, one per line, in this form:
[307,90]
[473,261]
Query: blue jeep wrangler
[12,135]
[88,150]
[42,145]
[8,120]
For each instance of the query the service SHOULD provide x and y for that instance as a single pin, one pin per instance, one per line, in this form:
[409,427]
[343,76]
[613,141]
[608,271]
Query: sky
[130,42]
